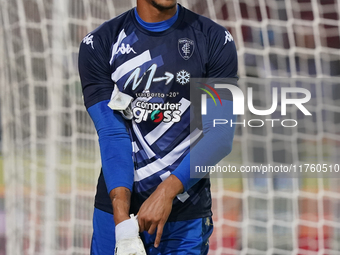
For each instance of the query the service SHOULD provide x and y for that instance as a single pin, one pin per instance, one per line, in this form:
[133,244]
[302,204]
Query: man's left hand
[155,211]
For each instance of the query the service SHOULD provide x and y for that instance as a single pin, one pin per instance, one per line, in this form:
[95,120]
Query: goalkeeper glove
[128,241]
[121,102]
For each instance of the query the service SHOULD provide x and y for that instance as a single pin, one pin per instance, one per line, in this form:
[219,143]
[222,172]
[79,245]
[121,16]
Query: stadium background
[49,157]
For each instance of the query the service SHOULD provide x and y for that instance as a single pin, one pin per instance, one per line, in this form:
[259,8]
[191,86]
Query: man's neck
[149,13]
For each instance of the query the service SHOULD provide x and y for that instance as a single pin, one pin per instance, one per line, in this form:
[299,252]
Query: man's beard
[161,7]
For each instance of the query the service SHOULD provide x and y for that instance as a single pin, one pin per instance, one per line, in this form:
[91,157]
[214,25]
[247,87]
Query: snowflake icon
[183,77]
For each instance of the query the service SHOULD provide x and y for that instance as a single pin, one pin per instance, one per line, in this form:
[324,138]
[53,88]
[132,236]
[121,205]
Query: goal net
[49,153]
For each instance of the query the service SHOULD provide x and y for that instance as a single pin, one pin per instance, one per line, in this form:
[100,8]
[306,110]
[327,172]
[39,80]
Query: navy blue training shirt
[154,69]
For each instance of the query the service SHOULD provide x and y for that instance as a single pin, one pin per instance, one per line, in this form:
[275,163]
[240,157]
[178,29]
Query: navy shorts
[180,237]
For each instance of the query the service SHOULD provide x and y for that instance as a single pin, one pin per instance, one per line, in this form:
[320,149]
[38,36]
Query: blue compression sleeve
[213,147]
[115,146]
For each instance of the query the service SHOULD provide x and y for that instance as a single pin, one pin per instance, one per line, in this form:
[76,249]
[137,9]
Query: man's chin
[164,6]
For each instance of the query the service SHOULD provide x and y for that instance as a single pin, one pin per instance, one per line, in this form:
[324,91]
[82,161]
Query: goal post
[49,146]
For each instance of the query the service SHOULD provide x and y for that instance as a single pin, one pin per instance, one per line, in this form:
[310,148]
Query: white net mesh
[49,146]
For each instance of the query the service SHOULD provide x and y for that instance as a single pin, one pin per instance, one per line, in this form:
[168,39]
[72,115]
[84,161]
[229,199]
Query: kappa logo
[186,48]
[228,37]
[125,49]
[88,40]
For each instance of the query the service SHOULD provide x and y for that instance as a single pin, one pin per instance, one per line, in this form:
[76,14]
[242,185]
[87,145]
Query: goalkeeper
[135,72]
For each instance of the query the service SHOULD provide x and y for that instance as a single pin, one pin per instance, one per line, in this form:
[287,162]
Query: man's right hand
[132,246]
[128,241]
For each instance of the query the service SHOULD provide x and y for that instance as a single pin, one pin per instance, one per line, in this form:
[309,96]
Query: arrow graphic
[168,77]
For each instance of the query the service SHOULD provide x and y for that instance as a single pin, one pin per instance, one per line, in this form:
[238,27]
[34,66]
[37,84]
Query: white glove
[121,102]
[128,241]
